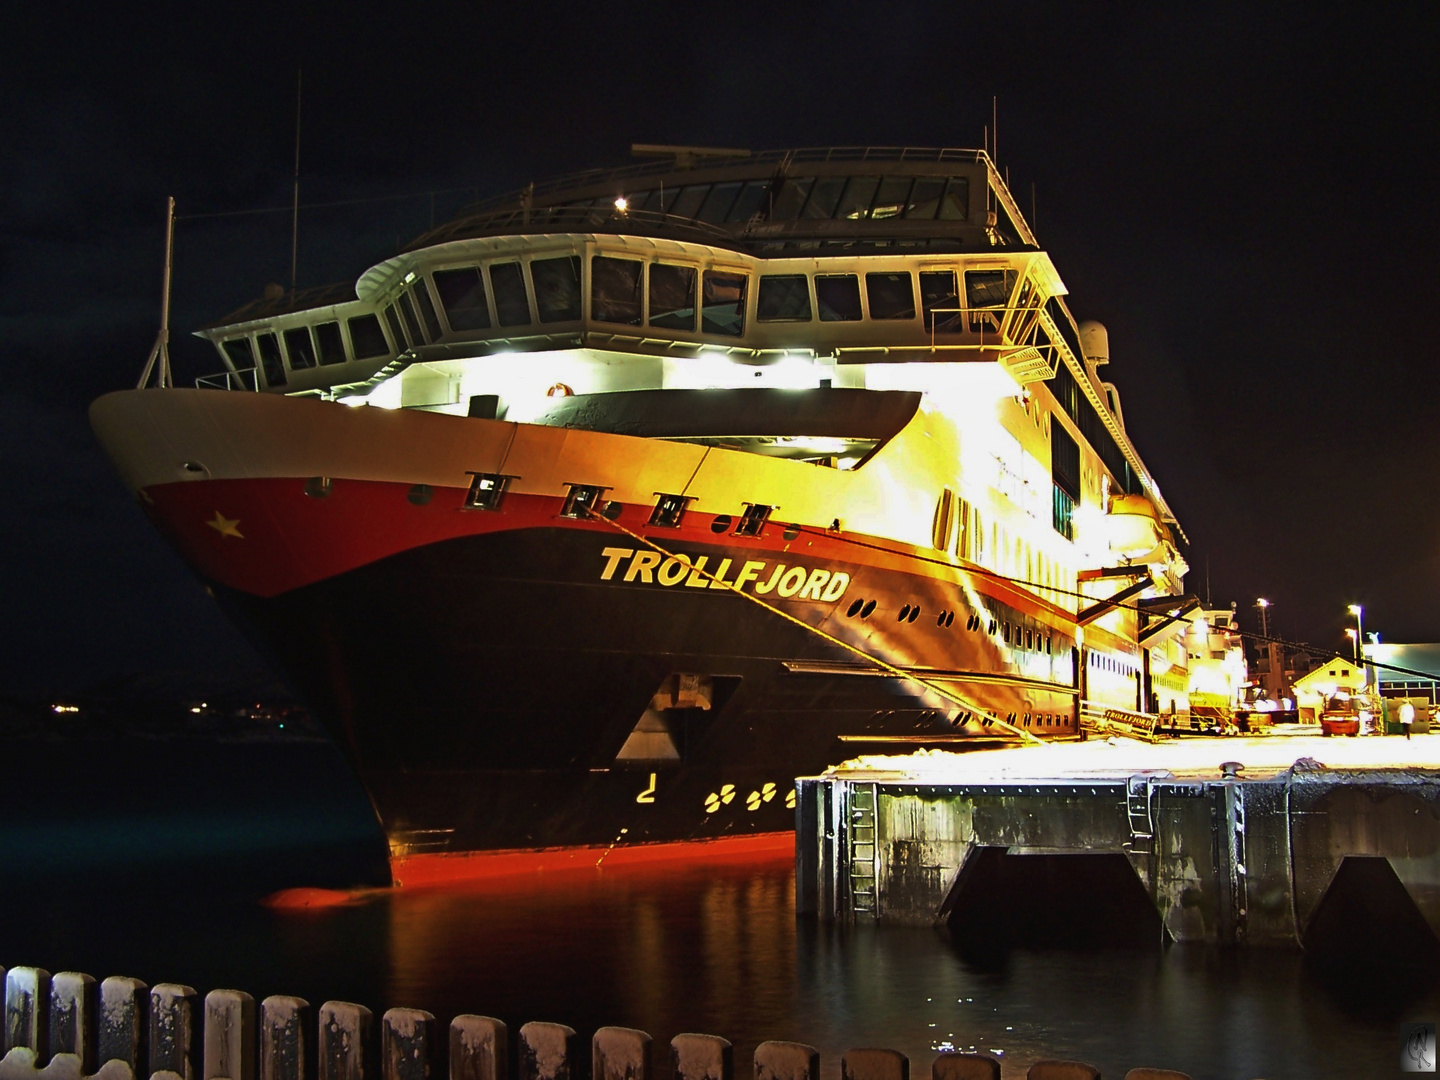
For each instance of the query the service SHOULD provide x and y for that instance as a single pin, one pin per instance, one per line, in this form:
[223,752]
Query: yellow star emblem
[226,526]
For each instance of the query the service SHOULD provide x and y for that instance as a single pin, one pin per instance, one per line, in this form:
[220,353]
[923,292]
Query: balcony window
[723,306]
[427,309]
[557,288]
[329,343]
[412,324]
[300,348]
[507,285]
[616,290]
[270,361]
[838,297]
[462,295]
[672,297]
[940,300]
[783,298]
[366,337]
[891,296]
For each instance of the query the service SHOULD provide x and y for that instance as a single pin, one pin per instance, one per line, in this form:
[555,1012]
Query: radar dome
[1095,342]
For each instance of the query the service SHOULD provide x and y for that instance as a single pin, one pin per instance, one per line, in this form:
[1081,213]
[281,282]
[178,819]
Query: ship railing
[243,379]
[777,158]
[66,1027]
[563,219]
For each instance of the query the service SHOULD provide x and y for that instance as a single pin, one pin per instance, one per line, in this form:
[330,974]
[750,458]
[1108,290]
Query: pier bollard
[702,1057]
[229,1036]
[479,1048]
[1062,1070]
[72,1018]
[283,1021]
[344,1049]
[620,1053]
[873,1063]
[548,1051]
[952,1065]
[407,1040]
[123,1026]
[777,1060]
[172,1030]
[27,1012]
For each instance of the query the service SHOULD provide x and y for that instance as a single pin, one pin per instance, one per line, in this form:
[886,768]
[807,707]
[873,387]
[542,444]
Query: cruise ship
[595,516]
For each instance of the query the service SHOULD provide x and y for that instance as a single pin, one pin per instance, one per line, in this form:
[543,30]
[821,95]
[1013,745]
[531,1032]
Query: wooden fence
[67,1027]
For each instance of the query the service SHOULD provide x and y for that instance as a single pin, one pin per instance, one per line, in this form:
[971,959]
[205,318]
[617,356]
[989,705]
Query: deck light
[621,203]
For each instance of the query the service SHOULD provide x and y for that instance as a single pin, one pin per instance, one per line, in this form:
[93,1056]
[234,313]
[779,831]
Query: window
[427,309]
[270,359]
[240,354]
[890,199]
[955,203]
[838,297]
[330,343]
[1062,510]
[615,290]
[824,195]
[687,203]
[891,296]
[751,201]
[790,199]
[462,295]
[672,297]
[412,324]
[669,511]
[723,306]
[557,288]
[988,289]
[366,337]
[300,348]
[783,298]
[486,491]
[393,318]
[854,204]
[716,206]
[507,285]
[752,521]
[925,198]
[940,301]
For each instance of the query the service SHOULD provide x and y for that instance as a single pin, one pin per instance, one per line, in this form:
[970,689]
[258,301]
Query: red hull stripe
[266,537]
[420,870]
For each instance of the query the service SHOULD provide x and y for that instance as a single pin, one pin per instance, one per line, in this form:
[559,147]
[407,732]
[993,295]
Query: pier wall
[1226,860]
[68,1027]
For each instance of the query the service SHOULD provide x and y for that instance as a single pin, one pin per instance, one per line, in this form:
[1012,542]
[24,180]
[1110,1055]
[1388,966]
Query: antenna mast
[161,350]
[295,207]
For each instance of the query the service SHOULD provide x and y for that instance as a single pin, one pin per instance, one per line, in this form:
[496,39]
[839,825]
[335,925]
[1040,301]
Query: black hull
[483,687]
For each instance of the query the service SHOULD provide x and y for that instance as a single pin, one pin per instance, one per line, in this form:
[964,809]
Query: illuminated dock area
[1233,840]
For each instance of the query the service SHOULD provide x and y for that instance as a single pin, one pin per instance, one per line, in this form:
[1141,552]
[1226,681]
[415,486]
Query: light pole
[1356,610]
[1263,605]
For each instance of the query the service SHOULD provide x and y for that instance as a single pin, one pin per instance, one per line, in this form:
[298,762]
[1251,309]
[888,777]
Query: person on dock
[1407,717]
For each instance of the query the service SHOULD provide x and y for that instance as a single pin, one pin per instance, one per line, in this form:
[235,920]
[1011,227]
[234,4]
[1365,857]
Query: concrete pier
[1234,841]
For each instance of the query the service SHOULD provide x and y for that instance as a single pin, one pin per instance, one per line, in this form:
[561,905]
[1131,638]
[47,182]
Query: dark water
[148,859]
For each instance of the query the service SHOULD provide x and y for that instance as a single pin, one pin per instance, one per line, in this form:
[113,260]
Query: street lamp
[1263,605]
[1359,636]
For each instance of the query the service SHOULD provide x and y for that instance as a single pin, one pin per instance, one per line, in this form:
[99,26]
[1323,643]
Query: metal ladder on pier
[861,811]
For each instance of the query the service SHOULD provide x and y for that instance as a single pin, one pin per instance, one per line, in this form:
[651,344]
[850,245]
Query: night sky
[1243,196]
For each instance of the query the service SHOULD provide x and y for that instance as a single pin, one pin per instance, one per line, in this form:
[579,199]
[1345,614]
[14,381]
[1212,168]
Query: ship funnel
[1095,343]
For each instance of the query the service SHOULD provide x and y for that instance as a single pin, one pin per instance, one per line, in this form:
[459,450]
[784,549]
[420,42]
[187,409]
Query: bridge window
[557,288]
[672,297]
[427,309]
[790,199]
[859,193]
[507,285]
[330,344]
[955,203]
[687,203]
[412,324]
[838,297]
[270,359]
[925,198]
[940,300]
[393,318]
[988,289]
[366,337]
[890,199]
[615,290]
[891,296]
[751,201]
[717,204]
[723,307]
[240,354]
[300,348]
[823,197]
[783,298]
[462,295]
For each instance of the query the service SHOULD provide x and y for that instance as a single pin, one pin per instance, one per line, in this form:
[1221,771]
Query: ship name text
[760,576]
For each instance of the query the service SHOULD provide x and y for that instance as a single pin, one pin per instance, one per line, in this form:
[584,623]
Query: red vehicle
[1340,717]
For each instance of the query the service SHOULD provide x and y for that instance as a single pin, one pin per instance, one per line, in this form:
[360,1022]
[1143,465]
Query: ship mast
[161,351]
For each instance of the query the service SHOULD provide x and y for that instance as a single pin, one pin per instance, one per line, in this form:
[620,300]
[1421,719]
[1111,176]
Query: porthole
[421,494]
[940,619]
[866,611]
[914,613]
[791,531]
[721,523]
[949,619]
[904,614]
[854,608]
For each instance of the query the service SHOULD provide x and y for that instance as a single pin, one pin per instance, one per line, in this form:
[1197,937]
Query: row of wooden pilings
[67,1027]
